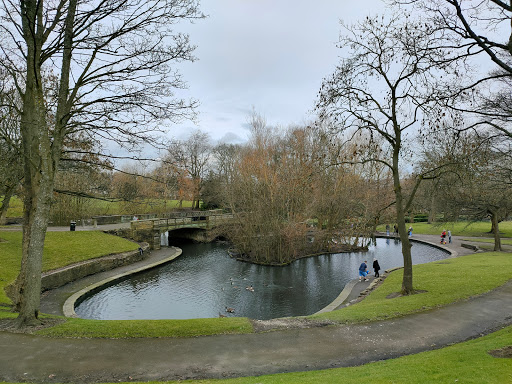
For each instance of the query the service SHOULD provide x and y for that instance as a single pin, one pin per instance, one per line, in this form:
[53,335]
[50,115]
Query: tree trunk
[432,212]
[38,182]
[496,230]
[5,204]
[493,224]
[407,287]
[41,156]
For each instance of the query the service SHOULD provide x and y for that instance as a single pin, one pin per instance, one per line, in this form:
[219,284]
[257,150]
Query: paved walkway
[37,359]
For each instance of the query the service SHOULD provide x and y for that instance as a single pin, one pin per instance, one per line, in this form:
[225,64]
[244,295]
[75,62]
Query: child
[363,271]
[376,267]
[443,237]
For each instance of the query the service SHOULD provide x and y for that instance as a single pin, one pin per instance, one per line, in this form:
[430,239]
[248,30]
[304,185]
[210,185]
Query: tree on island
[115,82]
[286,199]
[381,91]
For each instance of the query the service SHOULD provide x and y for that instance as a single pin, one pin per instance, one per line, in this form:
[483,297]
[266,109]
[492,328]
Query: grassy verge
[118,329]
[477,229]
[445,281]
[60,249]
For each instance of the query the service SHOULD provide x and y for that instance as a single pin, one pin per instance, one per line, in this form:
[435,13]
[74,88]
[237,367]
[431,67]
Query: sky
[266,55]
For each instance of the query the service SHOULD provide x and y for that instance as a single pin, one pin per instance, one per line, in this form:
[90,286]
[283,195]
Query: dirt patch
[10,325]
[505,352]
[398,294]
[287,323]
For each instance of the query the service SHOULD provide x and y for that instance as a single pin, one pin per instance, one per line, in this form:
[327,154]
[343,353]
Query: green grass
[118,329]
[476,229]
[15,207]
[60,249]
[445,281]
[102,207]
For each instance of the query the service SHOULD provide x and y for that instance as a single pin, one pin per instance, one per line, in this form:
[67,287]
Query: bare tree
[288,201]
[476,32]
[477,183]
[191,160]
[474,27]
[115,81]
[215,189]
[380,92]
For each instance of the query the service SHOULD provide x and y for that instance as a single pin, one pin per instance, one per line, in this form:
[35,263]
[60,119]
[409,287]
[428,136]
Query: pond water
[205,280]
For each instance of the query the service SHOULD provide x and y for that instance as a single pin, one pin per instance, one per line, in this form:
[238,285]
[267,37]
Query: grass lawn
[60,249]
[445,281]
[119,329]
[477,229]
[102,207]
[15,207]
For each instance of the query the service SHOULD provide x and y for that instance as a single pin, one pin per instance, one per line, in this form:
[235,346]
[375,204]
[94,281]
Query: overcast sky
[266,54]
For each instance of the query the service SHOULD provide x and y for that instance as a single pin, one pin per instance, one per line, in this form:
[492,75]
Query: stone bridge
[151,230]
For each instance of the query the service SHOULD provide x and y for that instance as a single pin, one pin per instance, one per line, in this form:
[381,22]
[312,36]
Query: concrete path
[37,359]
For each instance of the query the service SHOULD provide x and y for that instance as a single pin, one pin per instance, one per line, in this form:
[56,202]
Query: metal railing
[204,220]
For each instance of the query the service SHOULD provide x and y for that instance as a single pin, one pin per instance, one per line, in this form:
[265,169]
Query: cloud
[231,138]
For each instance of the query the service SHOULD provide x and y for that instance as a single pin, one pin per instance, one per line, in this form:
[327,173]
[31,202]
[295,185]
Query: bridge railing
[205,220]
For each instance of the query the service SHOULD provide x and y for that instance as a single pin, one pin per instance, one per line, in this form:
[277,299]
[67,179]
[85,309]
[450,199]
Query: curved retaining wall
[75,299]
[62,276]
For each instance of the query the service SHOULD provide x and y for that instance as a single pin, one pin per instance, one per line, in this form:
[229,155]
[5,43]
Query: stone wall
[62,276]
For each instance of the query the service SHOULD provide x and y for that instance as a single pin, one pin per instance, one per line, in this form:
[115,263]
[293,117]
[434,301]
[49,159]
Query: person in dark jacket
[376,267]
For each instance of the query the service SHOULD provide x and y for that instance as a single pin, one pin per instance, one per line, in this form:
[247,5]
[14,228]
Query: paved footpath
[37,359]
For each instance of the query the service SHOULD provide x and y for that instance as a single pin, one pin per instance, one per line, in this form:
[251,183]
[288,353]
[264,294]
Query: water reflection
[205,280]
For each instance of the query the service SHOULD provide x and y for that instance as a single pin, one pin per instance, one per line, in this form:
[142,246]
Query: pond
[204,281]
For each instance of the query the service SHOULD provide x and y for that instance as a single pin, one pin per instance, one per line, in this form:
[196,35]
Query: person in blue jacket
[363,271]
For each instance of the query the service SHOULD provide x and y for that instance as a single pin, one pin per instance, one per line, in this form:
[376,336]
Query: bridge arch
[199,235]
